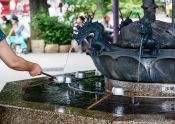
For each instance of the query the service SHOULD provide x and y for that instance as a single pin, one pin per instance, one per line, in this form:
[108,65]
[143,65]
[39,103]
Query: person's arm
[17,63]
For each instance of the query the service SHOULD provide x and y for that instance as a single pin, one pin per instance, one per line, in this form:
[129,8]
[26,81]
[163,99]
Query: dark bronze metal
[157,62]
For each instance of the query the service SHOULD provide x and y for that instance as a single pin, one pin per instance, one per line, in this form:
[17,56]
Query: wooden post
[173,15]
[36,6]
[116,20]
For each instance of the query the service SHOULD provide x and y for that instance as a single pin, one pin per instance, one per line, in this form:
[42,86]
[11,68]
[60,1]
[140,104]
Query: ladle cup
[56,79]
[60,79]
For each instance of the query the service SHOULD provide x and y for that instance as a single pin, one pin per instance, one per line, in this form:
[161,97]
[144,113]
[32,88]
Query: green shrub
[52,30]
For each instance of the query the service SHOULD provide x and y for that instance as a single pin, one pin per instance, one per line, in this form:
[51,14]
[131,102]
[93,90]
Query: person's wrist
[31,66]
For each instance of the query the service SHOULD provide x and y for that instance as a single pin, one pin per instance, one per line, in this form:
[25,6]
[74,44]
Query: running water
[85,91]
[70,50]
[71,87]
[77,89]
[140,52]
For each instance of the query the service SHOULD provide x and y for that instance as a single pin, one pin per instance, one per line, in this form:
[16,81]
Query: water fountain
[137,85]
[149,69]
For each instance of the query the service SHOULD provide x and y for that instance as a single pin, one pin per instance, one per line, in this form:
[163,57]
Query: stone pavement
[51,63]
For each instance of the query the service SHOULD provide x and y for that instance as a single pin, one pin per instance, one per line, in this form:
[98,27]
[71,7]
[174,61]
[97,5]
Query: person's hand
[35,70]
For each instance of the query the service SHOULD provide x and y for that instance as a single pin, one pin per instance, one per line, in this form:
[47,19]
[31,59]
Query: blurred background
[39,16]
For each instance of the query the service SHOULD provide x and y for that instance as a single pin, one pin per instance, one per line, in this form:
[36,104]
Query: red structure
[6,6]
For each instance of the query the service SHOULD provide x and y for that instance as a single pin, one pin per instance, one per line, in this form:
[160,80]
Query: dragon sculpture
[99,42]
[147,41]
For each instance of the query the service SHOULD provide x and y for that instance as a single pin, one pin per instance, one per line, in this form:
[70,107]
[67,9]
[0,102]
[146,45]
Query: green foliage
[51,30]
[70,2]
[160,4]
[71,15]
[102,7]
[7,29]
[131,5]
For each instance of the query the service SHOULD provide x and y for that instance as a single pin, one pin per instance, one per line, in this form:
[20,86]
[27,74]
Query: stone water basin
[50,103]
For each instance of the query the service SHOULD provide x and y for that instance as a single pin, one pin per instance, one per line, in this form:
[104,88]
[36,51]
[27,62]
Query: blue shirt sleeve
[2,35]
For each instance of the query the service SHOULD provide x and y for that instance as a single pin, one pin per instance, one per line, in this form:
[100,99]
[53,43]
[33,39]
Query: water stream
[72,87]
[140,53]
[67,58]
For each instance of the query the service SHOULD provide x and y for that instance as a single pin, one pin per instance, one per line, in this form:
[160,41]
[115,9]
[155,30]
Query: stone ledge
[143,89]
[19,115]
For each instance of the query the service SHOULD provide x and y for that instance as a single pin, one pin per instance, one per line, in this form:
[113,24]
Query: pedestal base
[135,89]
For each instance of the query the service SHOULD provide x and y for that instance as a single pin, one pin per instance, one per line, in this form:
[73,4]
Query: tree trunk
[37,6]
[149,8]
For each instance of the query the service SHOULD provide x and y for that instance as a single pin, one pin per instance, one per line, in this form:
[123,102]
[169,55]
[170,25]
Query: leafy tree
[37,7]
[131,5]
[84,6]
[52,30]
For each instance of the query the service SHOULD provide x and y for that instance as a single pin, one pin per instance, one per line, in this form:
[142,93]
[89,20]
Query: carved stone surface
[123,65]
[21,115]
[130,37]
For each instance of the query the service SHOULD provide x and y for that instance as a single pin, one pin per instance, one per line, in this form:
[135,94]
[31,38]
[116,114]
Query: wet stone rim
[14,110]
[156,90]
